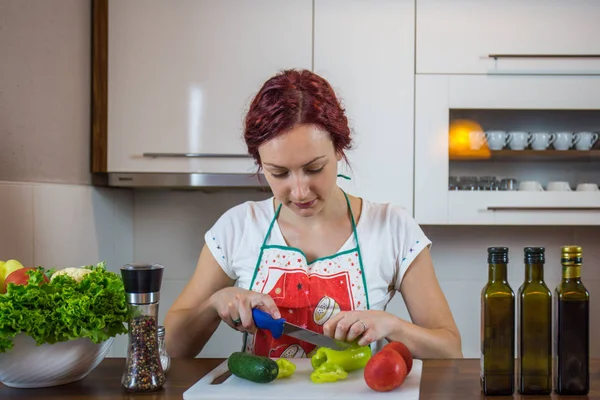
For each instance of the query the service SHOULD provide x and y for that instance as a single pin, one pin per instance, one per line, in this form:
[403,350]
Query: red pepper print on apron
[307,294]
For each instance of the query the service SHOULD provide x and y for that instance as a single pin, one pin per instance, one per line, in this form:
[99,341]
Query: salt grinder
[143,369]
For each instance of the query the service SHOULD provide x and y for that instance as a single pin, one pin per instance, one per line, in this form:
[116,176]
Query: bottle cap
[535,255]
[497,255]
[142,282]
[571,254]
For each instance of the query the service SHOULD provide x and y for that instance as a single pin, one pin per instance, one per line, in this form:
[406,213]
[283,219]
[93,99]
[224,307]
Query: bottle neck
[571,272]
[534,272]
[497,272]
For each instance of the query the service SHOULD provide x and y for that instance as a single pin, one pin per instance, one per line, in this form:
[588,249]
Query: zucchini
[257,369]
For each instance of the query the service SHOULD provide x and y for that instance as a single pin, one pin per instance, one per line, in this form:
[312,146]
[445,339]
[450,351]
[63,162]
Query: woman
[318,257]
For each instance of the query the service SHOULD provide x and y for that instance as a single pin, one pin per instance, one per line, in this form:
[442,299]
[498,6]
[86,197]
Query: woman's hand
[369,325]
[234,305]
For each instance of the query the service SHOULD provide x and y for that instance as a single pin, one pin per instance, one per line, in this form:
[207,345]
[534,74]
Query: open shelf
[534,155]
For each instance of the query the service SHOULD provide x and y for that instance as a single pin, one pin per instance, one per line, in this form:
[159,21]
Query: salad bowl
[28,365]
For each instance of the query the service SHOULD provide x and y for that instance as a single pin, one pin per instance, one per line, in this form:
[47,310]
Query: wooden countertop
[441,379]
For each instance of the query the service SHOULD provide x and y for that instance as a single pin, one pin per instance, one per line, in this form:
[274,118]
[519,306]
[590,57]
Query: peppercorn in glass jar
[143,369]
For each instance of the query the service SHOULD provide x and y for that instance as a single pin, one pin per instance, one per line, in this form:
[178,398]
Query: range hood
[186,180]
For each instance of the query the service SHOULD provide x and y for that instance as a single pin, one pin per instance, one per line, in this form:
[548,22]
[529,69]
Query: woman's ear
[339,155]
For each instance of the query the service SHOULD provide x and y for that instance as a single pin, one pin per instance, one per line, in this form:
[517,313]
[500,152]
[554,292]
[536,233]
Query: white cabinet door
[182,74]
[533,103]
[459,36]
[365,49]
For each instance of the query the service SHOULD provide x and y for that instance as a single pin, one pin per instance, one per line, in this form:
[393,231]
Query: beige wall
[45,91]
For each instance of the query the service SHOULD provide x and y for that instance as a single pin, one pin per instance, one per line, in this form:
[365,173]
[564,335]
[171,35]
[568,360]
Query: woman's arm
[191,320]
[433,333]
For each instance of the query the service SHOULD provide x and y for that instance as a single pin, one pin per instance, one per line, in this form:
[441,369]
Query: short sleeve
[412,240]
[224,238]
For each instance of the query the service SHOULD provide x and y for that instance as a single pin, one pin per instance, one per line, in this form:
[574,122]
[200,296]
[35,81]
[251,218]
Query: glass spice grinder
[143,369]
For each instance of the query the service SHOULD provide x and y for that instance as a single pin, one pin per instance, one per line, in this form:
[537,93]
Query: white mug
[541,140]
[476,139]
[585,140]
[587,187]
[559,187]
[530,186]
[497,139]
[564,141]
[519,140]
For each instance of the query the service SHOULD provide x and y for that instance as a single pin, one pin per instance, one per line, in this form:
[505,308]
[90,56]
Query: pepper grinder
[143,369]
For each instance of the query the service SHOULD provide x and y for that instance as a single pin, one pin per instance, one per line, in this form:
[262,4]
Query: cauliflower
[76,273]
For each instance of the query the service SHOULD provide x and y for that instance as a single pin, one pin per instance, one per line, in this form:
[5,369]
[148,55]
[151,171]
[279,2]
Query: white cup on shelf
[559,186]
[564,141]
[476,139]
[587,187]
[496,140]
[519,140]
[531,186]
[542,140]
[585,140]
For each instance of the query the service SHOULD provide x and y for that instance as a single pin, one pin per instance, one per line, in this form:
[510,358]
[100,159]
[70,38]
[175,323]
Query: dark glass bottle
[534,307]
[572,324]
[497,327]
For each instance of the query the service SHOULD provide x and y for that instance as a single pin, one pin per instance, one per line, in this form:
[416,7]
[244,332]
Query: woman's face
[301,168]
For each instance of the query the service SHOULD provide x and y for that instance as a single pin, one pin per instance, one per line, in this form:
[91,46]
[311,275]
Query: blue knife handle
[264,320]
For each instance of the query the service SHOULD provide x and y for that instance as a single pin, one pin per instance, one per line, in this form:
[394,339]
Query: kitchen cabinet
[180,77]
[461,185]
[462,37]
[365,49]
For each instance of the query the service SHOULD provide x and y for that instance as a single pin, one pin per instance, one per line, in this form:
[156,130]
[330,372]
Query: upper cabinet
[180,77]
[507,150]
[365,49]
[508,37]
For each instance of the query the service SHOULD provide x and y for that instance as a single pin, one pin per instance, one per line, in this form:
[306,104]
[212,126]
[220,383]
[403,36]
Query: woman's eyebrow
[308,163]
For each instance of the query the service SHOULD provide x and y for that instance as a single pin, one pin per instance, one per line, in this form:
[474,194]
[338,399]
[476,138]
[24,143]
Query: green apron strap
[364,278]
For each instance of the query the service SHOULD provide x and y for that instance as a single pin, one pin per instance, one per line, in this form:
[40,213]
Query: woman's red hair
[291,98]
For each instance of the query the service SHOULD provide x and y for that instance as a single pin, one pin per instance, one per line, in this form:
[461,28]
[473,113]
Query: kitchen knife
[279,327]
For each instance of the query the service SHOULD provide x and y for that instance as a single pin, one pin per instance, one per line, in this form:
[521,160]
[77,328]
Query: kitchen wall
[45,91]
[49,215]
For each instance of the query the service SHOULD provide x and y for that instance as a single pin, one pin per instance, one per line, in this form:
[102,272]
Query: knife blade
[221,378]
[280,326]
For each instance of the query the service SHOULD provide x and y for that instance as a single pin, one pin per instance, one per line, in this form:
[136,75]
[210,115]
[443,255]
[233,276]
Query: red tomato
[404,352]
[385,371]
[19,277]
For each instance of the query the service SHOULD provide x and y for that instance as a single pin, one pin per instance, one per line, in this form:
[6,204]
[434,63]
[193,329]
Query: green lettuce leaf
[63,309]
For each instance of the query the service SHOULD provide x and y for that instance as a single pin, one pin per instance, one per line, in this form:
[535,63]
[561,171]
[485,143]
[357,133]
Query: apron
[307,294]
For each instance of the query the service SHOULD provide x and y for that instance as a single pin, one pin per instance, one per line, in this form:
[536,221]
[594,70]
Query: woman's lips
[304,205]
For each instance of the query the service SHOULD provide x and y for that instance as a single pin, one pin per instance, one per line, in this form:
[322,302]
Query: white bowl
[27,365]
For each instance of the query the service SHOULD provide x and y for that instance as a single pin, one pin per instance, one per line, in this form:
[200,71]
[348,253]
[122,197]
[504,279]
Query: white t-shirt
[389,240]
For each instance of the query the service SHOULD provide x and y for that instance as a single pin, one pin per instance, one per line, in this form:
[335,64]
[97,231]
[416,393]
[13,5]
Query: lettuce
[63,309]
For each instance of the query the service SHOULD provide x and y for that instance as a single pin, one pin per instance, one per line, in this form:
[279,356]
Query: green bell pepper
[328,373]
[286,368]
[353,358]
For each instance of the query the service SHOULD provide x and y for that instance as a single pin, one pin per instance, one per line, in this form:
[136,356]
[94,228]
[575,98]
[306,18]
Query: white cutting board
[300,387]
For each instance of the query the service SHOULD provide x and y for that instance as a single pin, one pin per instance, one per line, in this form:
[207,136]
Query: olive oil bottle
[534,309]
[497,327]
[572,324]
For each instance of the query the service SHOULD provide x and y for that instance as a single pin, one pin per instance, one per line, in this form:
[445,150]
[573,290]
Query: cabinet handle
[496,56]
[194,155]
[516,208]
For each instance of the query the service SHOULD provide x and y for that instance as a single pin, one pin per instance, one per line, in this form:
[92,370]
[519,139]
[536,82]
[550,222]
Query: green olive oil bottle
[497,327]
[571,327]
[534,319]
